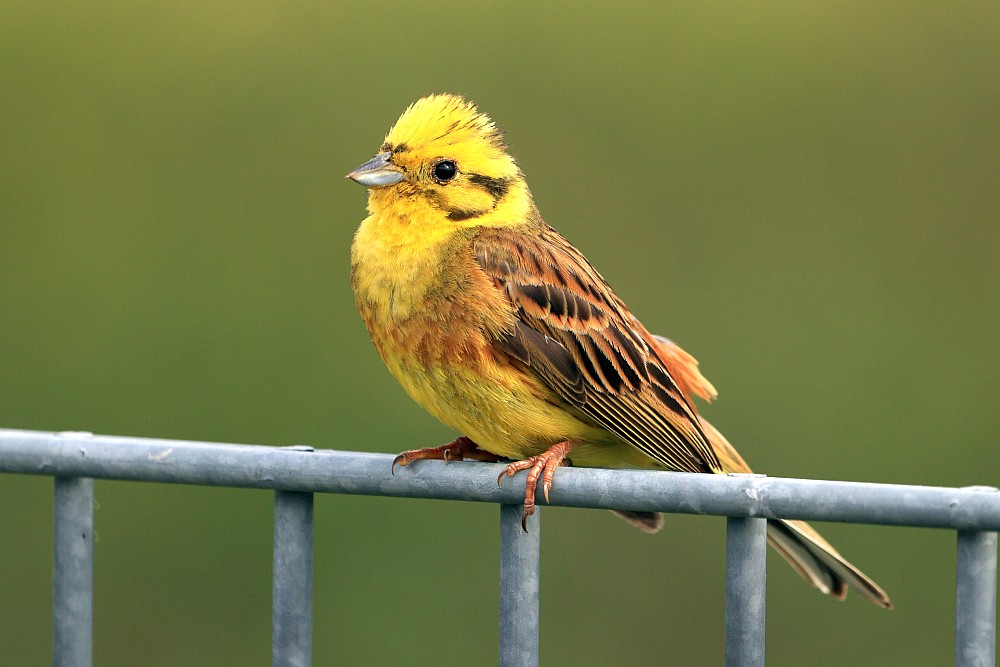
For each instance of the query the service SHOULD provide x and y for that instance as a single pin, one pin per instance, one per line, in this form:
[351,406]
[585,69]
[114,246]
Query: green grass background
[804,195]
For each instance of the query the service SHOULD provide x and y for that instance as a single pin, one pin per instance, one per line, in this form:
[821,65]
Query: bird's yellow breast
[434,317]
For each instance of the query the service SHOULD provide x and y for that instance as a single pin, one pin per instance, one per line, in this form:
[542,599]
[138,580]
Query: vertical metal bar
[519,577]
[291,620]
[73,573]
[976,599]
[746,578]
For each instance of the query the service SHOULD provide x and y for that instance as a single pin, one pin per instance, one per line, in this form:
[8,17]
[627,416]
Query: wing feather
[580,339]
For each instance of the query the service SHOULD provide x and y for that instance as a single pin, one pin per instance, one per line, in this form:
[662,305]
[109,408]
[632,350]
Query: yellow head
[446,162]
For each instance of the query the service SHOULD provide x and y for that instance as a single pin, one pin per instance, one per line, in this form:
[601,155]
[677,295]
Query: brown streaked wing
[579,338]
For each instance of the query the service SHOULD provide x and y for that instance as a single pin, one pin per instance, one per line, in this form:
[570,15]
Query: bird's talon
[457,449]
[529,509]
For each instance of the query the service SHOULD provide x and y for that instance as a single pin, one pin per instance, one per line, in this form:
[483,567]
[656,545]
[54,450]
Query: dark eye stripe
[460,214]
[497,187]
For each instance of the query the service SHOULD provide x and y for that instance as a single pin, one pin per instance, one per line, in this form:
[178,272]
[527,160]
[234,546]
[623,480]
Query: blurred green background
[804,195]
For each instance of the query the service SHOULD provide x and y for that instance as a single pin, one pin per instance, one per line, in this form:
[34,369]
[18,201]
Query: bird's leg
[543,465]
[458,449]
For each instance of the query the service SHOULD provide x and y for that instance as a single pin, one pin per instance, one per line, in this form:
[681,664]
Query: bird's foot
[543,465]
[458,449]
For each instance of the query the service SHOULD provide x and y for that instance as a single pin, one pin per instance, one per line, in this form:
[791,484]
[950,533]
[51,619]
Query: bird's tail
[805,549]
[819,563]
[799,543]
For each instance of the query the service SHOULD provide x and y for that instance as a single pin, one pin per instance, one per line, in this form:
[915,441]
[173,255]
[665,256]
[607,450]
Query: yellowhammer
[501,329]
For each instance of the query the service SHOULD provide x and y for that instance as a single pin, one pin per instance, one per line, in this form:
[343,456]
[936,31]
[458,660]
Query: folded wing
[576,335]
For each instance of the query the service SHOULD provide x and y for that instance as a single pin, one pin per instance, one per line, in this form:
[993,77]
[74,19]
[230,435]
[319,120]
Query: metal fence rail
[295,473]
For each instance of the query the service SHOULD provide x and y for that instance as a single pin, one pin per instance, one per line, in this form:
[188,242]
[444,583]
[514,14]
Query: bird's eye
[444,171]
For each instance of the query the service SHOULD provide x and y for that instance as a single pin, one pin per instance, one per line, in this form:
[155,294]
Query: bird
[501,329]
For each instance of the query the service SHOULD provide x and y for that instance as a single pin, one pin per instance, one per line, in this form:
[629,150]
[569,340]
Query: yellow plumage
[501,329]
[431,315]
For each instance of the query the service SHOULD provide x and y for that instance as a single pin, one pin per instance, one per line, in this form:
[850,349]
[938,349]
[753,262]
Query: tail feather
[647,522]
[803,562]
[819,563]
[805,549]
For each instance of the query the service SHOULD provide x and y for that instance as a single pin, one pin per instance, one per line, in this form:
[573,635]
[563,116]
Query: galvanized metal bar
[73,573]
[330,471]
[746,578]
[519,577]
[291,619]
[976,599]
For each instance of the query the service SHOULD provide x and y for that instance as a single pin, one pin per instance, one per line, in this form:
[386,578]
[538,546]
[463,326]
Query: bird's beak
[377,172]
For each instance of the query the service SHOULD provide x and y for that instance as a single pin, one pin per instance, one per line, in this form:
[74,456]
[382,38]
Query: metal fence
[295,473]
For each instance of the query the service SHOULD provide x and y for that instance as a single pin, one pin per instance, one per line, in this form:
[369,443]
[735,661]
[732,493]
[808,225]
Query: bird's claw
[458,449]
[401,460]
[542,465]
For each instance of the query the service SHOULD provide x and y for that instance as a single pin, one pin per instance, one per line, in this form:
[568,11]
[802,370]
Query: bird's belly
[506,413]
[493,404]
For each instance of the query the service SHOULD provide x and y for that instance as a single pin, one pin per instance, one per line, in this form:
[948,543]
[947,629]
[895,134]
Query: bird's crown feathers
[448,125]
